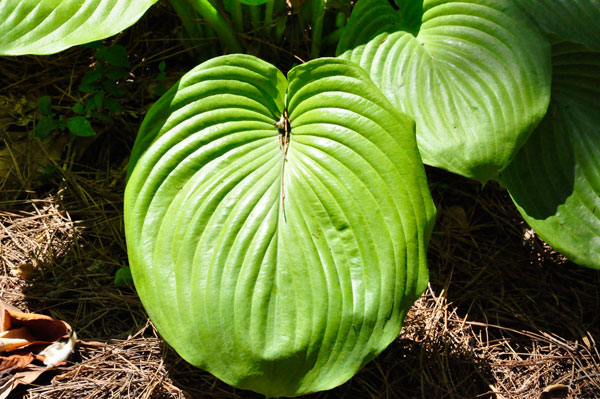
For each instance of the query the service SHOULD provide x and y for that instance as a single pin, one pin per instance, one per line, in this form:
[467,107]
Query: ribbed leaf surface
[50,26]
[555,179]
[476,79]
[572,20]
[278,268]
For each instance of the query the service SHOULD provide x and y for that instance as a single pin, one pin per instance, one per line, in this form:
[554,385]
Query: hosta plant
[49,26]
[555,178]
[474,75]
[277,228]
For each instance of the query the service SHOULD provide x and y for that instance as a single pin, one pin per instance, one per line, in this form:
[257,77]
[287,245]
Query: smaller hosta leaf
[277,232]
[476,79]
[50,26]
[574,21]
[555,178]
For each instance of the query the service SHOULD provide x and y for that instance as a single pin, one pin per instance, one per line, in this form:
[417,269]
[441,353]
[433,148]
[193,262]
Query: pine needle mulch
[504,316]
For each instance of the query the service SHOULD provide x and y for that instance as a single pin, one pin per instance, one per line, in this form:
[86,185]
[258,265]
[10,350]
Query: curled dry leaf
[22,336]
[19,330]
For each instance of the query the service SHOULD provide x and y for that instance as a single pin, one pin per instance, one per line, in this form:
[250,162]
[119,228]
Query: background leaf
[370,18]
[80,126]
[45,105]
[281,294]
[50,26]
[555,178]
[476,79]
[573,21]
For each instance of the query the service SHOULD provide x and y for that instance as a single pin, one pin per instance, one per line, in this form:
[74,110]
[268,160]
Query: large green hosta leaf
[555,178]
[575,21]
[279,273]
[50,26]
[476,79]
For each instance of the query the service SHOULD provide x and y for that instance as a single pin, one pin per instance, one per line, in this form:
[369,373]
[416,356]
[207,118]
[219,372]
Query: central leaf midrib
[284,138]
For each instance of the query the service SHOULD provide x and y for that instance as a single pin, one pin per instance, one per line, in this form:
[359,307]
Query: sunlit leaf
[279,266]
[50,26]
[476,79]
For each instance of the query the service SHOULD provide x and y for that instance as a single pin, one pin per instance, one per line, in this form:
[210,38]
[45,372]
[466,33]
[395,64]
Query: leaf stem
[268,17]
[236,16]
[255,16]
[317,29]
[186,15]
[216,21]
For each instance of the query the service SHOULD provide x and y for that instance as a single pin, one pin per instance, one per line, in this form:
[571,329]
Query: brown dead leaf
[555,391]
[4,322]
[26,271]
[19,329]
[14,339]
[25,377]
[455,217]
[19,361]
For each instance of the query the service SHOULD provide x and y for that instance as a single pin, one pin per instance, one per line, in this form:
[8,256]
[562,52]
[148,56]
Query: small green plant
[102,88]
[51,121]
[123,277]
[159,88]
[103,84]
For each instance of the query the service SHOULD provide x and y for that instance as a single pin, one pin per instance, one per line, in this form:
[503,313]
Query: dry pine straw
[504,316]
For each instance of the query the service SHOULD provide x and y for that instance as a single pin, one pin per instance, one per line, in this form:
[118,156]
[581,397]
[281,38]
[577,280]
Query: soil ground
[504,316]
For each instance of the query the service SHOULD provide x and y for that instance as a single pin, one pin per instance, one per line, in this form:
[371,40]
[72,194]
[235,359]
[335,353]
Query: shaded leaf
[80,126]
[45,105]
[115,55]
[78,108]
[91,80]
[113,105]
[123,277]
[373,17]
[572,21]
[555,178]
[45,126]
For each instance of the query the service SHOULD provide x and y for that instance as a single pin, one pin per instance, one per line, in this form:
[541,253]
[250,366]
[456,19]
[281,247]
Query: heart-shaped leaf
[555,178]
[476,79]
[50,26]
[573,21]
[280,256]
